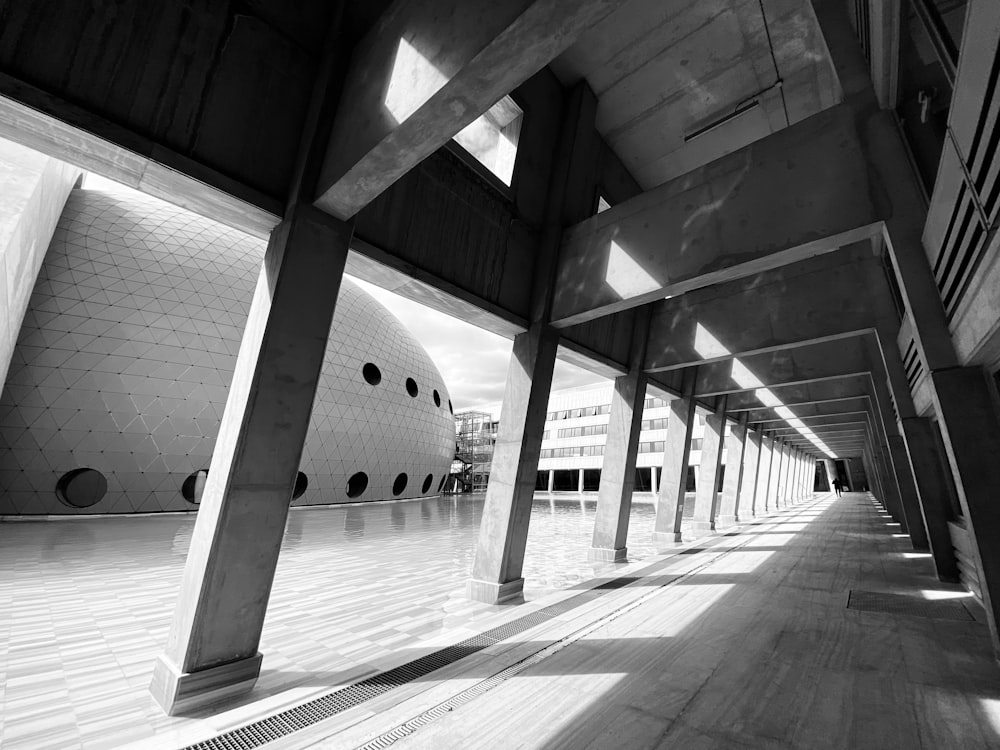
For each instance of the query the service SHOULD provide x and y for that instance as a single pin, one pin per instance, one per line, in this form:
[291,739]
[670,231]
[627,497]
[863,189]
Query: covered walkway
[763,638]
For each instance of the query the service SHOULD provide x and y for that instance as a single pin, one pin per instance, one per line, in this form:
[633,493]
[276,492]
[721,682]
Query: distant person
[837,485]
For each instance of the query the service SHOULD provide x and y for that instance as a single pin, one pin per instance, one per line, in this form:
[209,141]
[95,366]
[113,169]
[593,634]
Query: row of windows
[653,446]
[593,429]
[654,424]
[583,450]
[593,411]
[658,446]
[585,411]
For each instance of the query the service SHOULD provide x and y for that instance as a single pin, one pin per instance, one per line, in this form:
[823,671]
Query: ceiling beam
[797,193]
[426,70]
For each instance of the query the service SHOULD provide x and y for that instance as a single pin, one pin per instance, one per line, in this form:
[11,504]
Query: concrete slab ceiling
[682,83]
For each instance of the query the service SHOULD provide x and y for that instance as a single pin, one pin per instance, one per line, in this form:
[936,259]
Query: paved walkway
[748,643]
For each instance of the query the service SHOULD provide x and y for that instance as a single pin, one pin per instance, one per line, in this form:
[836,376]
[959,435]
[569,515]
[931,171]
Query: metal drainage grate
[908,604]
[282,724]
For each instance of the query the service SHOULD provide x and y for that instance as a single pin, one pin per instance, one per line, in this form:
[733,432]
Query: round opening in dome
[371,373]
[449,406]
[301,485]
[357,484]
[400,484]
[81,488]
[193,487]
[411,387]
[427,484]
[441,483]
[437,398]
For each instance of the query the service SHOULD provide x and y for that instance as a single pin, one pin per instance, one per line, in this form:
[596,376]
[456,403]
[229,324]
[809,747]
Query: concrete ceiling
[664,69]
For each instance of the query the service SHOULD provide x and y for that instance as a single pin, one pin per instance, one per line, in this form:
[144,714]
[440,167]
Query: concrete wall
[33,190]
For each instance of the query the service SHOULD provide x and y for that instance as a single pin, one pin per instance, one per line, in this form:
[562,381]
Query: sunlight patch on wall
[626,277]
[413,81]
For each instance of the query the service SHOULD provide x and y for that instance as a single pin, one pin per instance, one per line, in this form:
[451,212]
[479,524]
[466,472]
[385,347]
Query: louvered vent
[913,365]
[975,206]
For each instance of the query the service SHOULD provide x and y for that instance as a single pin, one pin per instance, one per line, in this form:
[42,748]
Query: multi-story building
[576,429]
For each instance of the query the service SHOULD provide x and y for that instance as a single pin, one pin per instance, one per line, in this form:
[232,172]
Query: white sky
[472,361]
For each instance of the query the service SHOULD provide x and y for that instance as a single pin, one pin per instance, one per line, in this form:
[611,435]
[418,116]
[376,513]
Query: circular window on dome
[411,387]
[357,484]
[437,398]
[301,485]
[371,373]
[193,487]
[400,484]
[427,484]
[81,488]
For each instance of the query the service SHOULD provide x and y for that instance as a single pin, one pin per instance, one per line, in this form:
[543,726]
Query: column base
[605,555]
[695,529]
[667,538]
[178,692]
[724,522]
[490,592]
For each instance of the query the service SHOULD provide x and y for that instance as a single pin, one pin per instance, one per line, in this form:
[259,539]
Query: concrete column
[785,480]
[496,569]
[614,497]
[654,479]
[748,484]
[793,483]
[211,650]
[777,459]
[736,444]
[966,409]
[706,501]
[673,476]
[761,499]
[552,479]
[579,481]
[934,490]
[831,472]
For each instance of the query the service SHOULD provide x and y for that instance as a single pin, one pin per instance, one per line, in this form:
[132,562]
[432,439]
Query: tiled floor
[85,603]
[747,643]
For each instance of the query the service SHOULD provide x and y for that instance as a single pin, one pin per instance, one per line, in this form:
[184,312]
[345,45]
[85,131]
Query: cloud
[472,361]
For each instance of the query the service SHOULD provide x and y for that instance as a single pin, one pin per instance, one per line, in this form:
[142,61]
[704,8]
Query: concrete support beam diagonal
[614,498]
[748,484]
[736,443]
[211,650]
[706,494]
[673,477]
[427,70]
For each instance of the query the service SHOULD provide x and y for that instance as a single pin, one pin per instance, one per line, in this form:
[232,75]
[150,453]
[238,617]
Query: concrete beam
[810,393]
[798,193]
[426,70]
[807,412]
[799,365]
[822,299]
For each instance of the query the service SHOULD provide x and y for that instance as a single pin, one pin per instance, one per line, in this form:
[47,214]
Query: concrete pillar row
[499,557]
[736,443]
[706,495]
[751,465]
[774,481]
[503,532]
[211,650]
[760,499]
[614,498]
[673,476]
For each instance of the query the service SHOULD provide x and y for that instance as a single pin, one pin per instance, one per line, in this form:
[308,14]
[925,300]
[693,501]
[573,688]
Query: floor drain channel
[387,739]
[908,604]
[279,725]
